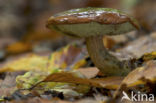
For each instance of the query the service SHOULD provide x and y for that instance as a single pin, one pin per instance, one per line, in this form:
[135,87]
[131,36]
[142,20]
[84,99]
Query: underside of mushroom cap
[85,22]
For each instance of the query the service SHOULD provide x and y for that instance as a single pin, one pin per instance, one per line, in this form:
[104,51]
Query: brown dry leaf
[69,78]
[139,76]
[88,100]
[55,100]
[147,72]
[6,91]
[18,47]
[109,83]
[39,100]
[89,72]
[8,85]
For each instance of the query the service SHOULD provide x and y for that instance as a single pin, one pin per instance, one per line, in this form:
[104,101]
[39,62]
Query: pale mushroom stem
[106,62]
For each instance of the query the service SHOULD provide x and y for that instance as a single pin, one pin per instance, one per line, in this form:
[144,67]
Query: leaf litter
[61,75]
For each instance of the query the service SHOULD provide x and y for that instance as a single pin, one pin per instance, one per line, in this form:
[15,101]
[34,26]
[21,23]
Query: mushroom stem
[106,62]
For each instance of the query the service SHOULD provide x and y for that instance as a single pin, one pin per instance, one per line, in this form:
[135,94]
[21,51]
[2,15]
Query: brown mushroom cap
[85,22]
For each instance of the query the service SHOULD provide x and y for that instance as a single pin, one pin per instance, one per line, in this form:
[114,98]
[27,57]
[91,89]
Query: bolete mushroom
[92,24]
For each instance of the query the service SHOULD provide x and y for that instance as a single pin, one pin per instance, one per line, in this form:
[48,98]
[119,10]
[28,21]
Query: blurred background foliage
[22,22]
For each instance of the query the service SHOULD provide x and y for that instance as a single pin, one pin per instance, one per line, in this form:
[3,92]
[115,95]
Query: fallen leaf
[19,47]
[139,76]
[89,72]
[149,56]
[69,57]
[8,85]
[31,62]
[40,100]
[67,77]
[147,72]
[29,79]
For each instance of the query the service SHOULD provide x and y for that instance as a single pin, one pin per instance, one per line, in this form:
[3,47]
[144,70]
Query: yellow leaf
[149,56]
[79,64]
[31,62]
[19,47]
[69,57]
[29,79]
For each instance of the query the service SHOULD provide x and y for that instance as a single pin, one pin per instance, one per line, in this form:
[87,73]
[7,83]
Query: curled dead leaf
[67,77]
[139,76]
[148,71]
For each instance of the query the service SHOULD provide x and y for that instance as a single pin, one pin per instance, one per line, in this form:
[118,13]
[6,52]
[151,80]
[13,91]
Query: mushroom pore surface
[94,29]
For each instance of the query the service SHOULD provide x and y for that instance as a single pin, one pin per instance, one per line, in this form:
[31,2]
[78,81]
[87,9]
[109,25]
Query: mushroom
[92,24]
